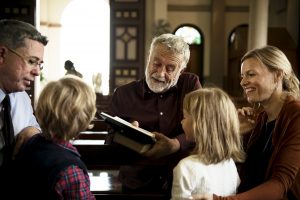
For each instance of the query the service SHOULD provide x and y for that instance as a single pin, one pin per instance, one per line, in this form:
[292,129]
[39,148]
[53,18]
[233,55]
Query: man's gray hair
[13,33]
[175,44]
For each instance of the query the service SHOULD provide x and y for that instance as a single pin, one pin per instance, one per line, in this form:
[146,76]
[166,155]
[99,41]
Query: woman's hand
[246,117]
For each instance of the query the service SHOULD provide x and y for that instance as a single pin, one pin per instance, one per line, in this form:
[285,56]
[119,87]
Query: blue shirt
[21,111]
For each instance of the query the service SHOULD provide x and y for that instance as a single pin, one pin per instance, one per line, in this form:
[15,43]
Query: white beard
[159,87]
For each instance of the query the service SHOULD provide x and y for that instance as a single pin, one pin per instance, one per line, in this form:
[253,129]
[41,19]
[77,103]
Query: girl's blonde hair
[65,107]
[276,60]
[215,125]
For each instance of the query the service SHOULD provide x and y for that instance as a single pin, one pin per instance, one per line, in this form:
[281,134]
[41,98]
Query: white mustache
[162,79]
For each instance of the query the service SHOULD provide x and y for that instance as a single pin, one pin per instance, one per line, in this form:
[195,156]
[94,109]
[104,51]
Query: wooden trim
[49,24]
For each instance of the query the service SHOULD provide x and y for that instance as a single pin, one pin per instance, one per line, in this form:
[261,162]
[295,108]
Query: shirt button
[161,96]
[161,113]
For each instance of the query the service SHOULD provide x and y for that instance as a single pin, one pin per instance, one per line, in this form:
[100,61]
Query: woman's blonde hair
[215,125]
[276,60]
[65,107]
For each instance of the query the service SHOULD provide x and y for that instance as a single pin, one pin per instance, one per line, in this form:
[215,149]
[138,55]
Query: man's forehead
[162,51]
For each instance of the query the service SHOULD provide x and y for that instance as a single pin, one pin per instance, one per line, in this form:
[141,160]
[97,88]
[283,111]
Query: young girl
[211,120]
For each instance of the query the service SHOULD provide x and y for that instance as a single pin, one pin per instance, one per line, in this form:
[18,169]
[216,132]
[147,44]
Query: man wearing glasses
[21,59]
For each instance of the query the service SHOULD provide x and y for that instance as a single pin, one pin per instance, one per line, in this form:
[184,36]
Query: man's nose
[161,70]
[36,71]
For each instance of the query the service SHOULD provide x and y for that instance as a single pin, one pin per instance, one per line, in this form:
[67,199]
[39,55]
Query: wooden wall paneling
[126,41]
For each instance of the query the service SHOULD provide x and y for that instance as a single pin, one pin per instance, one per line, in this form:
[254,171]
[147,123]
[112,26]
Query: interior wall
[196,12]
[237,13]
[199,19]
[293,18]
[50,16]
[149,27]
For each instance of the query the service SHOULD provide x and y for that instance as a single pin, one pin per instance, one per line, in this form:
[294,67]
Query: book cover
[135,138]
[131,144]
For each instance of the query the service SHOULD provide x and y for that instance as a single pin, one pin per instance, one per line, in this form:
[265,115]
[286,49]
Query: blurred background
[108,40]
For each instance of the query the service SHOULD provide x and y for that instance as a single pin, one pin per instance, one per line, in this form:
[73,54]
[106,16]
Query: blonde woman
[53,166]
[211,120]
[273,148]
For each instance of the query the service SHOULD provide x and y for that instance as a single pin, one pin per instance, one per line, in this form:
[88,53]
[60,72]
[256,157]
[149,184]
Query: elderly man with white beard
[155,104]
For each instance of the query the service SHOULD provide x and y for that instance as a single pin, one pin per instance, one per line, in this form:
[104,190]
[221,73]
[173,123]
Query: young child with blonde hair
[51,163]
[211,121]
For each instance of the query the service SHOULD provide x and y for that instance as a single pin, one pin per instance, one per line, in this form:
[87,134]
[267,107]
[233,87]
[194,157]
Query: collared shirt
[21,111]
[73,183]
[161,112]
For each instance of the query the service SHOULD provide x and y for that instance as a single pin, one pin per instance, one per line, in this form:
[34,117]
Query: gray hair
[276,60]
[13,33]
[175,44]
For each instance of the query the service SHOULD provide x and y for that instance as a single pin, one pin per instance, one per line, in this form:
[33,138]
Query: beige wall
[177,12]
[202,19]
[199,19]
[50,19]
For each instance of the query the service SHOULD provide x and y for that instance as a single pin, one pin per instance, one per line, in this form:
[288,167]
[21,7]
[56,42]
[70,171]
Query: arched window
[190,34]
[85,39]
[194,38]
[237,47]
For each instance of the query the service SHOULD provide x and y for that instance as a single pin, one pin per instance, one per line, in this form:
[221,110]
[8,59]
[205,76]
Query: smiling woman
[272,147]
[85,38]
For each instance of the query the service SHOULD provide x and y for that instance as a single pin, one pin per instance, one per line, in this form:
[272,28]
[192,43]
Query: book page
[135,127]
[124,122]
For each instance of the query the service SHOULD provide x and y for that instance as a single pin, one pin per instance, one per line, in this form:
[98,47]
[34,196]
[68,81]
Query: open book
[126,134]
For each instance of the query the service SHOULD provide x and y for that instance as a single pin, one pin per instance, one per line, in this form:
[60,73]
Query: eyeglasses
[29,60]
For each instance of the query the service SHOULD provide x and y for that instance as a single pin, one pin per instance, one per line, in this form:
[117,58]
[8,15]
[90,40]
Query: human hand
[135,123]
[164,146]
[246,117]
[247,113]
[22,137]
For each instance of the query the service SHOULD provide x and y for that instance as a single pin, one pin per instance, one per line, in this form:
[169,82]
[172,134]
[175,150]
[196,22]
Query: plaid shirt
[73,183]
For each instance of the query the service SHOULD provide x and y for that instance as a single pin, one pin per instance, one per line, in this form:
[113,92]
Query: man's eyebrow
[36,58]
